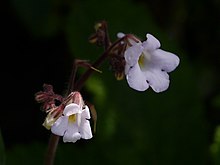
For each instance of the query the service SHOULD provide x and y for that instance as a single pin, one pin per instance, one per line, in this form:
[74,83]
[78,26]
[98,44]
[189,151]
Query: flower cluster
[70,119]
[143,64]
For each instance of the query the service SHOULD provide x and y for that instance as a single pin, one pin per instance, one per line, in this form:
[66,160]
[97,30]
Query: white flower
[74,123]
[147,65]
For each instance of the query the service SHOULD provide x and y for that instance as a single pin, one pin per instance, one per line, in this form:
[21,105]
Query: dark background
[41,38]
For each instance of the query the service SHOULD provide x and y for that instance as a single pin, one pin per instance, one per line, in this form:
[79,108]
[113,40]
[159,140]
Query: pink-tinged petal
[72,134]
[85,130]
[164,60]
[71,109]
[133,53]
[136,79]
[158,80]
[151,43]
[60,126]
[85,113]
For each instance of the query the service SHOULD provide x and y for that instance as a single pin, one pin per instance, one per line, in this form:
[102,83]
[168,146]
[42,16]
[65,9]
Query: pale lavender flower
[73,124]
[147,65]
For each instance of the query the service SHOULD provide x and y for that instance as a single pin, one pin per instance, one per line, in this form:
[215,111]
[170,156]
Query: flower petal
[71,109]
[79,118]
[151,43]
[85,130]
[133,53]
[71,134]
[60,126]
[164,60]
[158,80]
[85,113]
[136,79]
[127,68]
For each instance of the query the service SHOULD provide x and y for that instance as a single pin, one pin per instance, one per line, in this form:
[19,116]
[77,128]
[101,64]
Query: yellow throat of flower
[72,118]
[141,60]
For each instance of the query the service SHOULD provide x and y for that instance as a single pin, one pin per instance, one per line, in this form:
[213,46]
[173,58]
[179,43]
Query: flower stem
[72,78]
[79,84]
[107,41]
[51,151]
[108,47]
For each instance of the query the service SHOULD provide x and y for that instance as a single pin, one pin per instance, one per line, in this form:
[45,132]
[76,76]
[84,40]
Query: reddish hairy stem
[79,84]
[72,78]
[51,151]
[107,41]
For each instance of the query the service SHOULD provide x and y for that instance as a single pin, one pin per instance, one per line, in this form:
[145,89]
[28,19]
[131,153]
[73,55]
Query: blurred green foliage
[133,127]
[32,153]
[215,147]
[216,102]
[2,150]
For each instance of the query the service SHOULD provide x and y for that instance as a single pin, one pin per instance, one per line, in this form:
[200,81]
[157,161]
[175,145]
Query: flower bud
[77,99]
[41,97]
[52,116]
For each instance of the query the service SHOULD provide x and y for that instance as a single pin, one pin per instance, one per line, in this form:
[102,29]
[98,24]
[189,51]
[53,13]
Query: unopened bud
[41,97]
[97,26]
[120,35]
[76,97]
[119,75]
[93,39]
[117,63]
[52,116]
